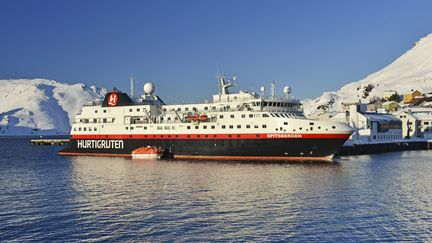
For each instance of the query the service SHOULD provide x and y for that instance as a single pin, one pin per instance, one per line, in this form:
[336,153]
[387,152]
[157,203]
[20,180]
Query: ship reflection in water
[383,197]
[46,197]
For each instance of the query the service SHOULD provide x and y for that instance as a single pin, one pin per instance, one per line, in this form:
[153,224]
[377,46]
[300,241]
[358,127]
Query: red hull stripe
[250,158]
[212,136]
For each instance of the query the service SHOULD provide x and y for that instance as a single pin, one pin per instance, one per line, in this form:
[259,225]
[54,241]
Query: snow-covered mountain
[411,71]
[42,107]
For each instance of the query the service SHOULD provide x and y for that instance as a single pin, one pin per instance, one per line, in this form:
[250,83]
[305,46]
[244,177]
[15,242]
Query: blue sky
[313,46]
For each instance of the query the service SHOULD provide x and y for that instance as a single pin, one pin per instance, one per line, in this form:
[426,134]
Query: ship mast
[224,85]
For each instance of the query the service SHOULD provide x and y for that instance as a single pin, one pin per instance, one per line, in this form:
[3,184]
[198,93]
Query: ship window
[232,116]
[130,110]
[319,127]
[204,127]
[104,120]
[247,126]
[243,116]
[238,126]
[177,136]
[145,128]
[229,136]
[188,136]
[75,129]
[277,115]
[164,109]
[285,123]
[179,109]
[95,120]
[188,127]
[90,129]
[300,128]
[223,126]
[231,126]
[159,128]
[206,136]
[167,127]
[96,111]
[169,118]
[265,103]
[206,108]
[175,118]
[333,127]
[131,128]
[198,136]
[220,116]
[271,114]
[276,129]
[196,127]
[173,127]
[79,129]
[104,111]
[138,109]
[212,127]
[95,129]
[127,128]
[256,126]
[169,136]
[264,126]
[265,115]
[311,123]
[250,115]
[426,123]
[186,109]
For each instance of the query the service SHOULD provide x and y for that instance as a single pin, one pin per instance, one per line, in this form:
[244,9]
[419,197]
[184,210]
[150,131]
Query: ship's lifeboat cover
[148,152]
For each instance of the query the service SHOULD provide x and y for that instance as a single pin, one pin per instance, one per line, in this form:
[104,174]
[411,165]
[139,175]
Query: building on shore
[389,93]
[390,106]
[410,124]
[371,126]
[410,98]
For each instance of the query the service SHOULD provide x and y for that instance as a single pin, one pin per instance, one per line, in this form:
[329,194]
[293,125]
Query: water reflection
[173,194]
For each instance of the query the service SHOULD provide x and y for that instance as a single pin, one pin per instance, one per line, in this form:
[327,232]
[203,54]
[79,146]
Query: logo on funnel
[112,99]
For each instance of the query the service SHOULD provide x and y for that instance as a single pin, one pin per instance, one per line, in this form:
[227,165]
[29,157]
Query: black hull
[283,149]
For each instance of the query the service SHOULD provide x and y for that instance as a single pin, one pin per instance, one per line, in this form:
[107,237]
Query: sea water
[47,197]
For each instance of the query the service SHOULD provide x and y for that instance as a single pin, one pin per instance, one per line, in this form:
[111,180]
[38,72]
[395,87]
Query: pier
[374,148]
[52,142]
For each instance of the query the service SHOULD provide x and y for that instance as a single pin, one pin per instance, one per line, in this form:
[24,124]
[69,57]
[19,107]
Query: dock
[52,142]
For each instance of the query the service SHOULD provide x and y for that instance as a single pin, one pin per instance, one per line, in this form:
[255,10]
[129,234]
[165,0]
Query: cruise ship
[233,126]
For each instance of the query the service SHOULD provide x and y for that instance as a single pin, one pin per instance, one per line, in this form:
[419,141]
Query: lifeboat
[197,117]
[148,152]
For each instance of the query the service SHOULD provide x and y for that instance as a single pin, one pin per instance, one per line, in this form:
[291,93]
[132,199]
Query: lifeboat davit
[148,152]
[197,117]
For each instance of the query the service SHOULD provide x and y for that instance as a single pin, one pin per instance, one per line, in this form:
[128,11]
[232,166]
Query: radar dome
[149,88]
[287,90]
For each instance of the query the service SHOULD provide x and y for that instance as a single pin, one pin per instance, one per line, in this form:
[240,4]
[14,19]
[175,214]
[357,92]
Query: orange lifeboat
[197,117]
[148,152]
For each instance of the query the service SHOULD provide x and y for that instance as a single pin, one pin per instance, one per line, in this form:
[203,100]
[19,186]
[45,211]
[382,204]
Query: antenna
[131,86]
[273,94]
[262,90]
